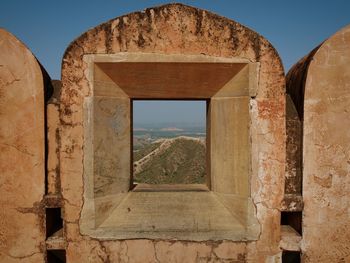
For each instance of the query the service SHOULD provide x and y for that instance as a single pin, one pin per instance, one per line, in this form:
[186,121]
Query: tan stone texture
[177,29]
[22,161]
[326,148]
[232,140]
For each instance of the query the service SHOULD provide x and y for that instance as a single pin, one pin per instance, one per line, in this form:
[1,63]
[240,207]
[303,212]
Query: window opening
[169,142]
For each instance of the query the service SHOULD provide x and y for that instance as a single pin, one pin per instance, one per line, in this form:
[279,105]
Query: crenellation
[278,147]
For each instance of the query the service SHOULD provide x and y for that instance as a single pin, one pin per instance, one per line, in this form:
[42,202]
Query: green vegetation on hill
[183,162]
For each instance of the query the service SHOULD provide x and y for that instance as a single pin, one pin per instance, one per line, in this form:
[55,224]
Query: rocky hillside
[180,160]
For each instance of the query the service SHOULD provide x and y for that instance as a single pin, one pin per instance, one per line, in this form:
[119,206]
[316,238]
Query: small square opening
[54,222]
[291,257]
[56,256]
[293,219]
[169,142]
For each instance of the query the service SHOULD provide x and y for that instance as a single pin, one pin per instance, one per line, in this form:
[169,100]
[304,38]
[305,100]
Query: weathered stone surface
[326,148]
[111,140]
[22,159]
[177,29]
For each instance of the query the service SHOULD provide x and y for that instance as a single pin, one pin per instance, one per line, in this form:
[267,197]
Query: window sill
[170,188]
[174,215]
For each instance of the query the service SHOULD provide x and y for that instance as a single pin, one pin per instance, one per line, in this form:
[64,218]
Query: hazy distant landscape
[169,153]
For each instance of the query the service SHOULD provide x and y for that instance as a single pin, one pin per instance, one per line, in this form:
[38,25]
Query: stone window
[112,208]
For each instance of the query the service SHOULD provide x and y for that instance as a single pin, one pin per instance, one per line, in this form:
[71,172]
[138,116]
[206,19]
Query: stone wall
[22,147]
[320,87]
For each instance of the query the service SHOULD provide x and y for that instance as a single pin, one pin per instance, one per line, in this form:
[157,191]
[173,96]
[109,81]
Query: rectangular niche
[54,221]
[56,256]
[115,206]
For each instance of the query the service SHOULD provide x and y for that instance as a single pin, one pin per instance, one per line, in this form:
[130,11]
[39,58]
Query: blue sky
[293,27]
[169,113]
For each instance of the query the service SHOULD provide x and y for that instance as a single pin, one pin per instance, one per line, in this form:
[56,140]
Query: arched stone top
[320,84]
[324,55]
[250,89]
[295,80]
[22,146]
[178,29]
[328,72]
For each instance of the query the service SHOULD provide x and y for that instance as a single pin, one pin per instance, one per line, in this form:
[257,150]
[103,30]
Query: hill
[180,160]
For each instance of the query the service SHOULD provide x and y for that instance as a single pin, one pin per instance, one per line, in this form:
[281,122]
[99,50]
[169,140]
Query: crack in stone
[127,251]
[30,210]
[155,252]
[10,82]
[69,203]
[24,256]
[18,149]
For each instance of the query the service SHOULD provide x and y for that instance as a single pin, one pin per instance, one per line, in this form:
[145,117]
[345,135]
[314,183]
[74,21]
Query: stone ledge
[195,216]
[53,201]
[290,239]
[170,188]
[56,241]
